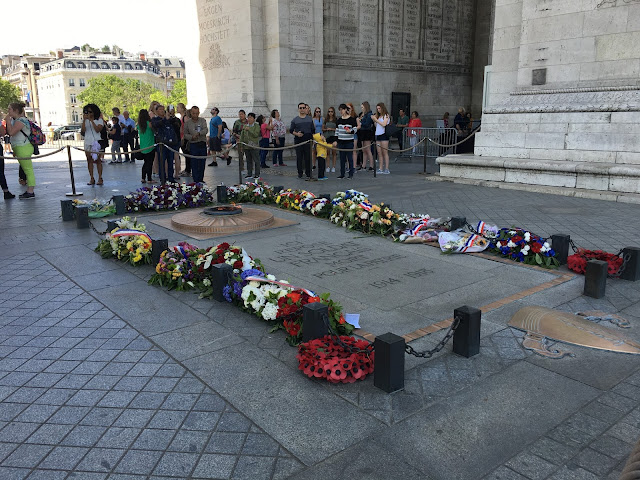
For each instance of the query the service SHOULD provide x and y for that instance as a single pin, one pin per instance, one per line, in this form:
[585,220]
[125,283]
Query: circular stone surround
[199,222]
[223,210]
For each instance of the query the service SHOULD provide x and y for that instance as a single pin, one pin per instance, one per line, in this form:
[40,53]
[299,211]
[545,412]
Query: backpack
[167,134]
[36,137]
[366,122]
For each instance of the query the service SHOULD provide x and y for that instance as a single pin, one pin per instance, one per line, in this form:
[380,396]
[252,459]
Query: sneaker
[333,170]
[328,169]
[228,160]
[340,177]
[112,162]
[283,164]
[299,176]
[379,171]
[275,165]
[26,196]
[386,172]
[213,164]
[248,177]
[264,166]
[359,168]
[8,195]
[371,169]
[350,177]
[323,178]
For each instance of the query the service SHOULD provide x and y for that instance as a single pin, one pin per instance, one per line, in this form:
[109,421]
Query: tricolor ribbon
[130,233]
[365,206]
[276,282]
[469,243]
[481,227]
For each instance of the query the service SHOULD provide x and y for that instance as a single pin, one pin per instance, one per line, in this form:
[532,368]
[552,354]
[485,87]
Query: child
[321,153]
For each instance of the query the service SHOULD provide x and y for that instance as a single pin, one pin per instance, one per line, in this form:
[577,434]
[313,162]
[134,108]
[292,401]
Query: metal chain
[100,234]
[625,260]
[441,344]
[574,247]
[367,351]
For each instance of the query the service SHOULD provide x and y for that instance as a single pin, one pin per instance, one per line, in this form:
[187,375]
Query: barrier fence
[441,142]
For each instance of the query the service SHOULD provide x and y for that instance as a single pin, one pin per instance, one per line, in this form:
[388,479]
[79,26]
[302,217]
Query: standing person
[402,123]
[147,140]
[352,112]
[278,135]
[236,130]
[175,123]
[226,143]
[317,126]
[365,134]
[128,136]
[381,120]
[302,128]
[251,137]
[184,144]
[215,135]
[166,137]
[460,122]
[329,131]
[346,130]
[92,125]
[195,132]
[265,135]
[321,154]
[415,122]
[445,119]
[19,129]
[152,115]
[115,134]
[3,180]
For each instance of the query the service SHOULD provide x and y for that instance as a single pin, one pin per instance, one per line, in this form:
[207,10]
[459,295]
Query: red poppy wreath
[326,358]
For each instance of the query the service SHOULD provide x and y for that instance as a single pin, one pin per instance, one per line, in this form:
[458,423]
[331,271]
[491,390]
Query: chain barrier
[625,259]
[100,234]
[367,351]
[441,344]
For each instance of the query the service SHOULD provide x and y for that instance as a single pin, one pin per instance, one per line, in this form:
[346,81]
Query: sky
[50,25]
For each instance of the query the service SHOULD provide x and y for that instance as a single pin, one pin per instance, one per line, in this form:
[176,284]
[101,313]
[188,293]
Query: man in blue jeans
[165,135]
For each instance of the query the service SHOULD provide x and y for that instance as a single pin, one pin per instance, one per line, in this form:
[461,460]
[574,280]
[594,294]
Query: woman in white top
[381,119]
[92,124]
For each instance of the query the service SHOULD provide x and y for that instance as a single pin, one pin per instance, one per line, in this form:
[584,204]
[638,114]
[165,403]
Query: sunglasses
[302,108]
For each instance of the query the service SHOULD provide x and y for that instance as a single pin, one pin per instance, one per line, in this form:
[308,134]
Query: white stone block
[506,38]
[549,154]
[547,127]
[540,178]
[632,158]
[552,28]
[544,141]
[591,156]
[604,21]
[633,18]
[626,119]
[494,151]
[547,8]
[610,70]
[508,15]
[592,182]
[576,117]
[559,52]
[502,140]
[618,46]
[603,142]
[624,184]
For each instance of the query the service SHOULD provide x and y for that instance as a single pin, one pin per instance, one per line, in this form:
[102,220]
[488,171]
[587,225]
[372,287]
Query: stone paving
[102,376]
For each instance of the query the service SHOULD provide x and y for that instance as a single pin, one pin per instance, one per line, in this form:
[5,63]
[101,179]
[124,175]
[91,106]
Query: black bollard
[67,210]
[632,268]
[388,368]
[82,216]
[222,193]
[595,278]
[118,200]
[157,247]
[111,224]
[466,339]
[277,189]
[458,222]
[313,321]
[325,195]
[560,243]
[220,274]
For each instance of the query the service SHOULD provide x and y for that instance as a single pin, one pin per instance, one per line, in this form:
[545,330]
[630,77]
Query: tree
[179,93]
[106,49]
[109,91]
[8,94]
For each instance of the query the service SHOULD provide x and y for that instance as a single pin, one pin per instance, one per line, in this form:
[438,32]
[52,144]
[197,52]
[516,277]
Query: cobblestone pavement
[94,386]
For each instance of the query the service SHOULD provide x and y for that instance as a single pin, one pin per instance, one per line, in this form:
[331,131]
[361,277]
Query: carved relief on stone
[614,3]
[216,58]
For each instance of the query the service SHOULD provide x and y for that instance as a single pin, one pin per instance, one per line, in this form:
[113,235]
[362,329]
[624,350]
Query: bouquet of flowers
[169,196]
[329,359]
[250,192]
[523,246]
[293,199]
[177,268]
[97,208]
[419,228]
[128,242]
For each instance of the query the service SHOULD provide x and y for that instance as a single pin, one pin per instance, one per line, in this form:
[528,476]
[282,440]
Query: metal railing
[414,136]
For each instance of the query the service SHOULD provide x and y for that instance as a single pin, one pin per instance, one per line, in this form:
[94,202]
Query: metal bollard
[595,278]
[157,247]
[220,274]
[325,195]
[277,189]
[632,268]
[221,190]
[388,367]
[313,324]
[67,210]
[118,200]
[560,243]
[111,224]
[466,338]
[458,222]
[82,216]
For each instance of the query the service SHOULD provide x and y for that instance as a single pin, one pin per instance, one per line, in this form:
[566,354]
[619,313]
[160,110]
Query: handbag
[391,130]
[136,146]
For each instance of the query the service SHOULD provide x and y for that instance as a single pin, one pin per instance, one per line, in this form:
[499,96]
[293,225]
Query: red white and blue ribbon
[469,243]
[130,233]
[365,206]
[481,227]
[282,284]
[415,229]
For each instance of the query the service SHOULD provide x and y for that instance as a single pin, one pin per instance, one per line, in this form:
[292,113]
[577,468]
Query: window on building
[72,82]
[169,85]
[104,65]
[95,65]
[115,66]
[82,84]
[71,65]
[167,62]
[127,66]
[138,66]
[75,118]
[73,98]
[81,65]
[177,73]
[36,66]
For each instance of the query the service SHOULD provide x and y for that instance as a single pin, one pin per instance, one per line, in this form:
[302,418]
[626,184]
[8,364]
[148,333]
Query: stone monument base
[604,181]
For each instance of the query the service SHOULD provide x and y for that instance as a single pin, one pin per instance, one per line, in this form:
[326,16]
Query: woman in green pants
[20,130]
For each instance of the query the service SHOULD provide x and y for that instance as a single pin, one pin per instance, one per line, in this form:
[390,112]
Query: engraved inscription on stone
[393,13]
[368,28]
[301,24]
[214,23]
[348,22]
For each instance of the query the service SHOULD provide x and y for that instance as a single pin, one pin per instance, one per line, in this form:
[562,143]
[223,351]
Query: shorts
[332,138]
[215,144]
[382,138]
[365,135]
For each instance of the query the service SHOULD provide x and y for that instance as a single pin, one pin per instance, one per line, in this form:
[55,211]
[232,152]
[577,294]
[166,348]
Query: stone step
[610,181]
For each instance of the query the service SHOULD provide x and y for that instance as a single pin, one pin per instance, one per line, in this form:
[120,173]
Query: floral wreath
[578,261]
[326,358]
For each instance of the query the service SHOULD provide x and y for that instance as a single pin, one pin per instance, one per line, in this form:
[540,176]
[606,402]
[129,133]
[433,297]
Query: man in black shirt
[302,129]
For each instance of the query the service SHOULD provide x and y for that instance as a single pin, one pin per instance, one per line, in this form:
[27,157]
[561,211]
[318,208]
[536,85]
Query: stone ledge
[605,178]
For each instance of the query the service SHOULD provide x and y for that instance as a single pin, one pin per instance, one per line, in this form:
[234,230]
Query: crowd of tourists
[159,135]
